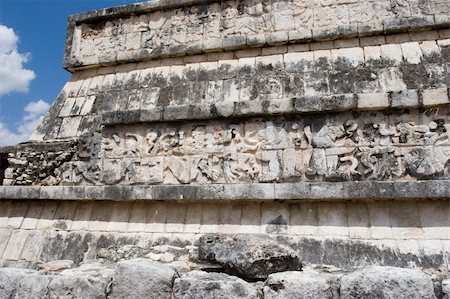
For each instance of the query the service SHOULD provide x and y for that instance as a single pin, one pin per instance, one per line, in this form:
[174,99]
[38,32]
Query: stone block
[300,36]
[176,217]
[352,56]
[17,214]
[276,38]
[404,220]
[411,52]
[5,233]
[251,219]
[233,43]
[325,45]
[100,216]
[332,219]
[33,246]
[240,54]
[379,220]
[274,50]
[372,40]
[138,217]
[193,218]
[304,219]
[256,40]
[346,43]
[325,33]
[15,244]
[299,62]
[372,53]
[434,219]
[210,218]
[212,45]
[48,214]
[275,218]
[33,215]
[229,218]
[358,220]
[298,48]
[157,215]
[404,99]
[435,97]
[120,215]
[69,127]
[82,216]
[369,101]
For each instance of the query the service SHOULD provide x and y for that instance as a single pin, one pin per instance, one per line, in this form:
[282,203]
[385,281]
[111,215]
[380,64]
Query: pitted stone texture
[90,280]
[387,282]
[141,278]
[252,257]
[308,284]
[203,285]
[21,283]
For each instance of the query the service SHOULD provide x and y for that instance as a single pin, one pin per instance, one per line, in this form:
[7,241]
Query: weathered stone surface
[91,280]
[199,284]
[21,283]
[142,278]
[252,257]
[306,284]
[386,282]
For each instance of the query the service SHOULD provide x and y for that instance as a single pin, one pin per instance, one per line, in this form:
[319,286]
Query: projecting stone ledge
[431,189]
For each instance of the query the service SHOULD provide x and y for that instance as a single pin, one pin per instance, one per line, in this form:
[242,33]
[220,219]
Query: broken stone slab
[306,284]
[200,284]
[251,257]
[142,278]
[387,282]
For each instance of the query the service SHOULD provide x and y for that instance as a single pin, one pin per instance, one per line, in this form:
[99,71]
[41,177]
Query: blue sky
[31,74]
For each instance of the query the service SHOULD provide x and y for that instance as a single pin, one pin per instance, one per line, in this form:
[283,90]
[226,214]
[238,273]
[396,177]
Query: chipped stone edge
[301,191]
[388,26]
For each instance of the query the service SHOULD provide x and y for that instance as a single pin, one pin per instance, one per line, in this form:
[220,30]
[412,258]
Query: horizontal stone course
[226,28]
[245,192]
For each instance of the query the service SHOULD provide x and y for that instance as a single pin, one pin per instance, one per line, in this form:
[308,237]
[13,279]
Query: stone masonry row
[409,74]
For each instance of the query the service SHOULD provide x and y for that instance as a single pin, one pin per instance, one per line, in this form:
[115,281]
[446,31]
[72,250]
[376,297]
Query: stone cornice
[321,191]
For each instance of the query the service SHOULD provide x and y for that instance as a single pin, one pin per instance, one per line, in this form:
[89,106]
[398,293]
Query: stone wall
[324,125]
[343,234]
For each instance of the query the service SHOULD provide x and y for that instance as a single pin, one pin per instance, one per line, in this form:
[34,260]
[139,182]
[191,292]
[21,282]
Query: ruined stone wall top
[159,29]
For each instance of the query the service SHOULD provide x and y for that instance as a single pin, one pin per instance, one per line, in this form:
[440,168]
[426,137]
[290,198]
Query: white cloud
[13,76]
[33,114]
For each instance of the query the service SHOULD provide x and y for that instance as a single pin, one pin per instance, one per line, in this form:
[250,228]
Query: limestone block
[305,284]
[353,56]
[304,219]
[392,52]
[210,218]
[368,101]
[199,284]
[386,282]
[435,97]
[333,219]
[16,244]
[404,99]
[248,256]
[372,40]
[411,52]
[372,53]
[251,219]
[141,278]
[299,62]
[229,218]
[379,220]
[82,216]
[69,127]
